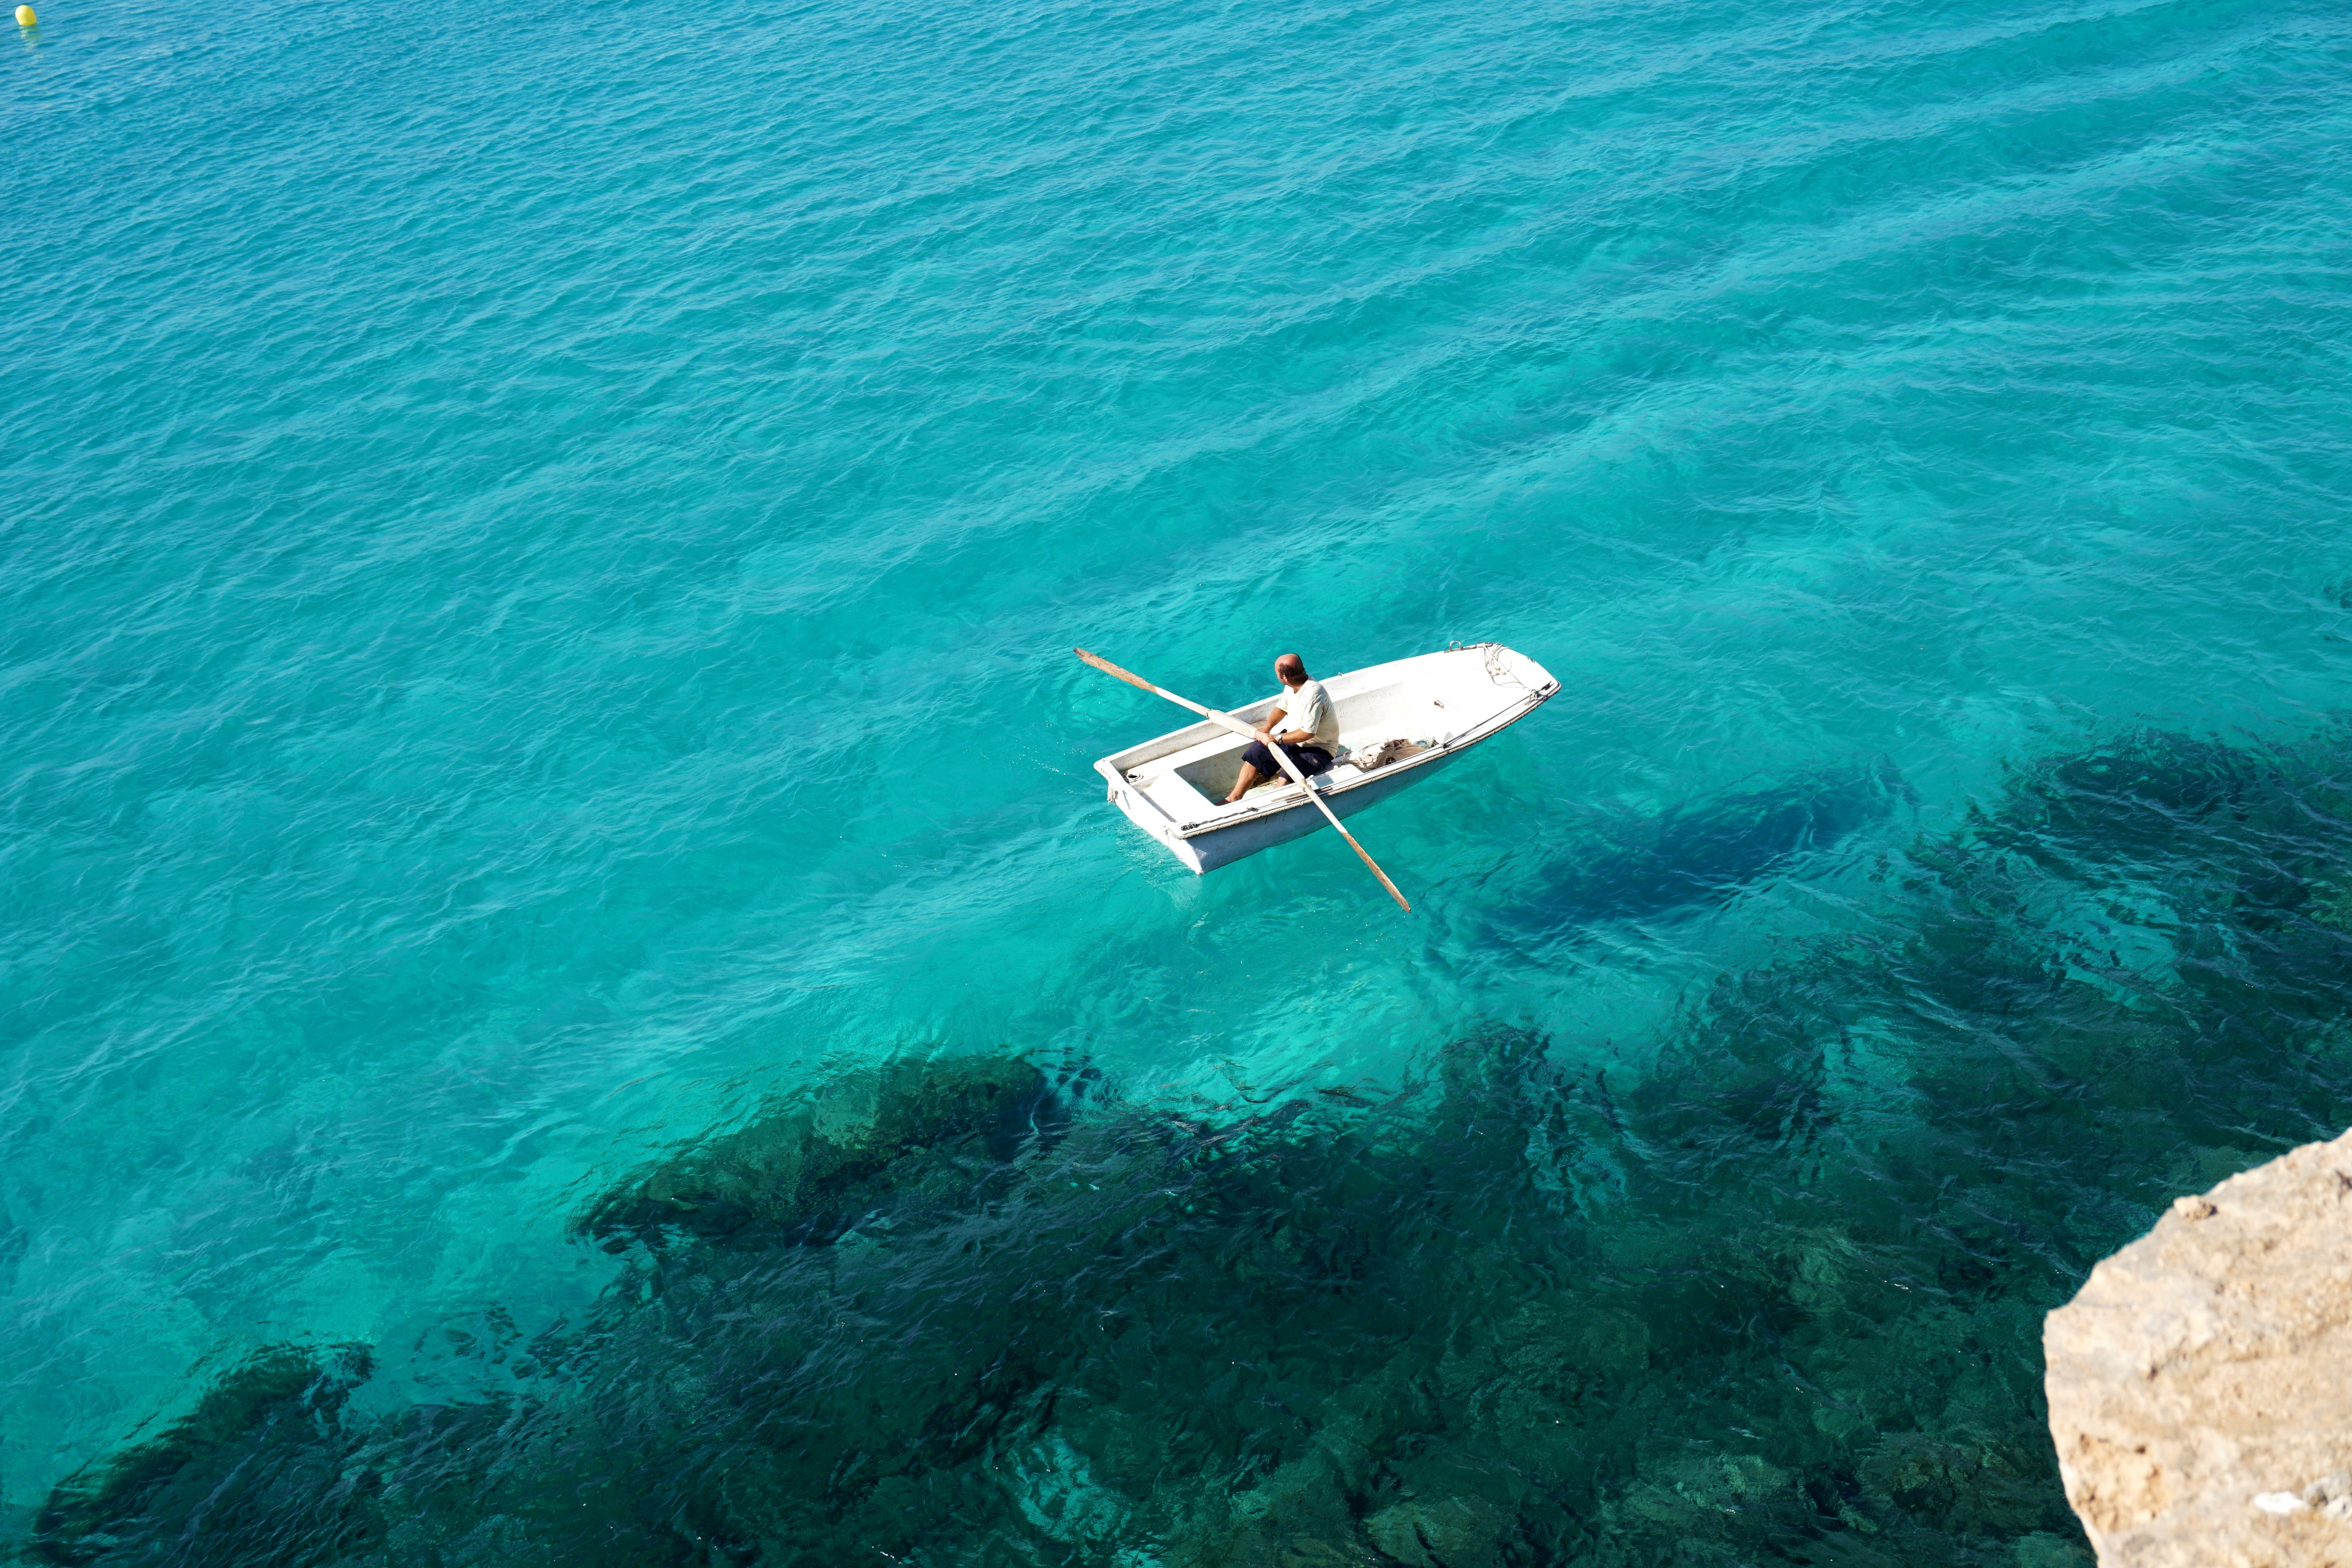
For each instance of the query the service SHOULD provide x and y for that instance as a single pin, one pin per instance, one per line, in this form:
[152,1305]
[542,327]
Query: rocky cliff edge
[2200,1382]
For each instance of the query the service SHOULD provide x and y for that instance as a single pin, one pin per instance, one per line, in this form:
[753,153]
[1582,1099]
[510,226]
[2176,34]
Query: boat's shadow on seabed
[1779,1301]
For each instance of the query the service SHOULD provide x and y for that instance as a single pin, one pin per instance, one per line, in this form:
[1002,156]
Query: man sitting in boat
[1301,723]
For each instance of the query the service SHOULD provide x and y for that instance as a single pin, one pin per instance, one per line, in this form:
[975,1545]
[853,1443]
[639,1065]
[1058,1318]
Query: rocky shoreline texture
[2200,1385]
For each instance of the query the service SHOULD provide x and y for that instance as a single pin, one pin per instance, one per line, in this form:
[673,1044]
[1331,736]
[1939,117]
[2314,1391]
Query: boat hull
[1206,851]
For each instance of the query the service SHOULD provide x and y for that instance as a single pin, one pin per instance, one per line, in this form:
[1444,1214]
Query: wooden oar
[1238,728]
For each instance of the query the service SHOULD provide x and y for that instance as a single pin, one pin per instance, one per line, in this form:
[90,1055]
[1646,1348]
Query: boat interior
[1429,702]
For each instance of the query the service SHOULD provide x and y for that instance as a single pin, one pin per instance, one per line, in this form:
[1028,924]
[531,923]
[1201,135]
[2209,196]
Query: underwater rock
[280,1403]
[2146,788]
[795,1168]
[1697,1495]
[1451,1533]
[1971,1487]
[2200,1384]
[2043,1550]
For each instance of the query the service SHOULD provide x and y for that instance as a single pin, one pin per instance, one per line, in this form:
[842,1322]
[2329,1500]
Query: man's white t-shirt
[1308,709]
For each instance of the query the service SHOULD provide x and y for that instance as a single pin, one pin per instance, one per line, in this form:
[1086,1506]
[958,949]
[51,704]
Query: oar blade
[1107,668]
[1375,866]
[1331,816]
[1225,721]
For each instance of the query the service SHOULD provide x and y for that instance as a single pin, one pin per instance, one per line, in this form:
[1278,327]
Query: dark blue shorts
[1311,760]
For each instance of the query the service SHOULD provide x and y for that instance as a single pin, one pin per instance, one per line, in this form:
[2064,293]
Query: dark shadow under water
[1778,1302]
[1694,855]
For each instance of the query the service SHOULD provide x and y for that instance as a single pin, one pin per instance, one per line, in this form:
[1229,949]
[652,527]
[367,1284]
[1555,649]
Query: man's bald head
[1291,668]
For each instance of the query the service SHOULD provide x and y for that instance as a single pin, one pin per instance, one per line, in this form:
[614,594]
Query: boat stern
[1137,806]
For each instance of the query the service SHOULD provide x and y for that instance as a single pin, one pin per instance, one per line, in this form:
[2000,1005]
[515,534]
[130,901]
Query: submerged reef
[1772,1293]
[802,1172]
[2200,1385]
[256,1466]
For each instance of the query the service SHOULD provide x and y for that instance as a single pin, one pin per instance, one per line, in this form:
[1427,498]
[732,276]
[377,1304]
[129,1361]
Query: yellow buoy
[24,18]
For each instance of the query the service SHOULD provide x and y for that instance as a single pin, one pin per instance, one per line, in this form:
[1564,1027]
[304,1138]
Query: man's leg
[1256,761]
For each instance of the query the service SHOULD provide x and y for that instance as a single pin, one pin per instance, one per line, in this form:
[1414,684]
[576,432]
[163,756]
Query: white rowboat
[1173,786]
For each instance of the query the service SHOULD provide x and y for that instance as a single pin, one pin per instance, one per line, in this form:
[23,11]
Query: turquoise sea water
[569,994]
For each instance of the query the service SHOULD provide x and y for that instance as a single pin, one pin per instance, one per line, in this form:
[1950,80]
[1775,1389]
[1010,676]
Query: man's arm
[1269,734]
[1295,737]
